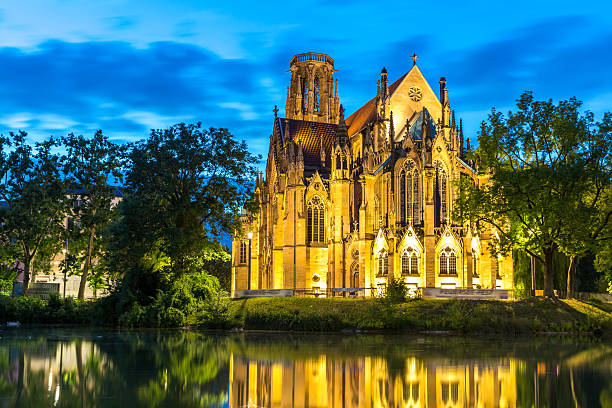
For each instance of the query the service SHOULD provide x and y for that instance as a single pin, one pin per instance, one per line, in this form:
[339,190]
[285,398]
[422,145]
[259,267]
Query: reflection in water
[68,368]
[370,382]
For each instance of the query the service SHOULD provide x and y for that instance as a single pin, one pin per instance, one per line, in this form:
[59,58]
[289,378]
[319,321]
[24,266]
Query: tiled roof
[367,112]
[310,135]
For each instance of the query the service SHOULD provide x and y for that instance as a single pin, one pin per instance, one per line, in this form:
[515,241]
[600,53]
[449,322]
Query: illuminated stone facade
[370,382]
[351,203]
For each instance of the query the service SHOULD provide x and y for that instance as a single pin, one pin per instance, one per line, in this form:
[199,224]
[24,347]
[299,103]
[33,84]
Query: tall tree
[544,162]
[185,187]
[91,164]
[34,195]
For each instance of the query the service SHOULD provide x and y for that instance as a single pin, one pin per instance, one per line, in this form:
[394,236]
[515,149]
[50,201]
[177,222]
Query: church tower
[312,94]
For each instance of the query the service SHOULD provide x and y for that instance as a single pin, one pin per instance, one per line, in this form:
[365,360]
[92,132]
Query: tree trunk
[549,273]
[571,272]
[83,282]
[26,276]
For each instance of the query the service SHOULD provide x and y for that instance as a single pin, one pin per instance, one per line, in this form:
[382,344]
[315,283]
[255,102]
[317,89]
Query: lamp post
[250,237]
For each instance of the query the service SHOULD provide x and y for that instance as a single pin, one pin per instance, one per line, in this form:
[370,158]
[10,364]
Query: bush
[396,292]
[216,311]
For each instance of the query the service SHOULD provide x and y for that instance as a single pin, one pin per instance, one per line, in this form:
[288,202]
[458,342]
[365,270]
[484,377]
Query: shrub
[172,317]
[396,292]
[216,311]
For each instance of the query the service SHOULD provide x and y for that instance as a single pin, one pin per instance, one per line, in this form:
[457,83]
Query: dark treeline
[143,220]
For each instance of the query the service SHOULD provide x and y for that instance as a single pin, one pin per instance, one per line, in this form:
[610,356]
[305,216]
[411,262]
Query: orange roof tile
[367,112]
[310,135]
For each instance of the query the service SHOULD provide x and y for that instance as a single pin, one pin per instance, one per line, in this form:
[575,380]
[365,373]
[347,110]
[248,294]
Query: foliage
[89,165]
[396,291]
[547,178]
[34,196]
[56,310]
[463,316]
[185,186]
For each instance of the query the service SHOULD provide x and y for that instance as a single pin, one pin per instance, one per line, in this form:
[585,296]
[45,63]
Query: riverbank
[523,317]
[459,316]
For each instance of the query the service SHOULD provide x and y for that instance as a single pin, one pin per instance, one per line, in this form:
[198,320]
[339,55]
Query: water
[78,368]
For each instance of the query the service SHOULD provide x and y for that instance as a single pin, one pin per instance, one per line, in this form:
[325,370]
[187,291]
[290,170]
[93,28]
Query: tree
[89,165]
[185,187]
[545,168]
[34,196]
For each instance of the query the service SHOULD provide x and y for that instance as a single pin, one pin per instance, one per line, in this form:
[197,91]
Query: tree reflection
[189,369]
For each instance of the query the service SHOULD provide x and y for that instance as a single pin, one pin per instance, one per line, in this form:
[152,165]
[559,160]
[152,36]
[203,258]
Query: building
[349,203]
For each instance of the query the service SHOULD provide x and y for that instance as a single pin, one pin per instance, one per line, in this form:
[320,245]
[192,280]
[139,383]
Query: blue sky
[128,66]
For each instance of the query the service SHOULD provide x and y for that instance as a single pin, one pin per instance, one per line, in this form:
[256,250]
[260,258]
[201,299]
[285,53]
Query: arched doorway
[355,275]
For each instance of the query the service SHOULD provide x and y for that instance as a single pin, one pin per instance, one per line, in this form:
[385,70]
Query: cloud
[121,22]
[62,87]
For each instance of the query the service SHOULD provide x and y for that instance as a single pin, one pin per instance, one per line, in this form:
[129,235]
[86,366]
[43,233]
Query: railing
[312,56]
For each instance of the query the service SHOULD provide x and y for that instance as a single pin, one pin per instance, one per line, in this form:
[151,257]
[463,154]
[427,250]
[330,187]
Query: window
[448,262]
[410,262]
[305,95]
[316,94]
[383,264]
[316,220]
[243,252]
[355,274]
[409,194]
[440,208]
[475,264]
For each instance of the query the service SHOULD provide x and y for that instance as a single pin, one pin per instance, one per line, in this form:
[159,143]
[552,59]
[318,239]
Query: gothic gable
[380,243]
[412,95]
[448,239]
[410,240]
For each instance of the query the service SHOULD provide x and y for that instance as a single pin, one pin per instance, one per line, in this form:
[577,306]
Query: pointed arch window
[305,95]
[410,211]
[316,220]
[316,94]
[383,264]
[410,262]
[355,275]
[475,272]
[440,195]
[448,261]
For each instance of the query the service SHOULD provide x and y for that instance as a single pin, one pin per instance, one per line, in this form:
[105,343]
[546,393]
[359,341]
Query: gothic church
[349,203]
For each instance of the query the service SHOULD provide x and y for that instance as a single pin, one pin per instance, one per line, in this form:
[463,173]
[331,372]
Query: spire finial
[414,58]
[341,112]
[275,110]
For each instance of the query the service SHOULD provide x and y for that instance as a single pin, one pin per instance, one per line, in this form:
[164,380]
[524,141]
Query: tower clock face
[415,93]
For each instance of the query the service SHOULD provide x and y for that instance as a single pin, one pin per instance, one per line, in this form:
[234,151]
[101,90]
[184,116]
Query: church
[349,203]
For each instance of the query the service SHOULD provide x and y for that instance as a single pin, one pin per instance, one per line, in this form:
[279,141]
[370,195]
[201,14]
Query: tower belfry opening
[311,94]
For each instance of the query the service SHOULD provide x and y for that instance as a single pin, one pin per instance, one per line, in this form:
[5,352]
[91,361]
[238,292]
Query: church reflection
[371,382]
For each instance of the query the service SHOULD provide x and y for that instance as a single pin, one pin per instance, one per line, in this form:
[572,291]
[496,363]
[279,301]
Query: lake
[102,368]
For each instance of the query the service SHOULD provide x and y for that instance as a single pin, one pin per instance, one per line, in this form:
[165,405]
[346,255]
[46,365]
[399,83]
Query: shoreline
[531,317]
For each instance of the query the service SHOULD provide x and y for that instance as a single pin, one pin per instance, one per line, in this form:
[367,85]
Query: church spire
[461,138]
[342,137]
[384,84]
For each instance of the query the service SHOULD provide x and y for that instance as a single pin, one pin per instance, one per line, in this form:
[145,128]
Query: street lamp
[250,237]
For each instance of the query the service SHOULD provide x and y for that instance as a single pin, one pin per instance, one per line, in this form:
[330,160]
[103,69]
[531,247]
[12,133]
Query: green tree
[544,162]
[34,194]
[89,165]
[185,186]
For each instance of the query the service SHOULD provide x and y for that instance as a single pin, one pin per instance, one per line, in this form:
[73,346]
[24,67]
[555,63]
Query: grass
[460,316]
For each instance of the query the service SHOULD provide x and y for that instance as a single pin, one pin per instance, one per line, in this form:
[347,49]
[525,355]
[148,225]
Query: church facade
[347,204]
